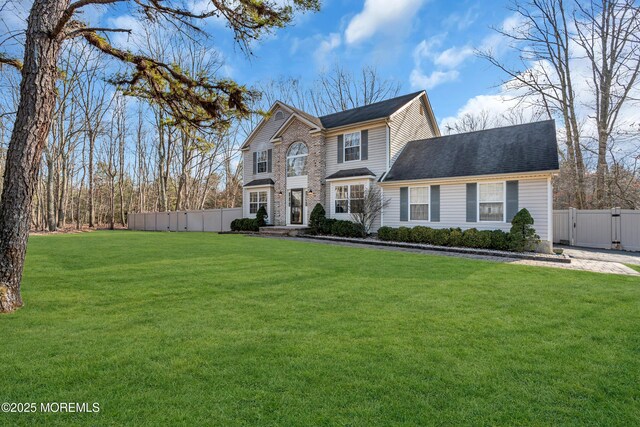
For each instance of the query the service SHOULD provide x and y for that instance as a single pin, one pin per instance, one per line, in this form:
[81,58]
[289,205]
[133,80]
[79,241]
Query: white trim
[405,106]
[504,202]
[288,122]
[332,197]
[428,187]
[245,144]
[388,147]
[351,178]
[470,178]
[549,212]
[344,147]
[368,124]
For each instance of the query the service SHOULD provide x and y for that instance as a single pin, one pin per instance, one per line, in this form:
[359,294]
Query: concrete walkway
[607,266]
[602,255]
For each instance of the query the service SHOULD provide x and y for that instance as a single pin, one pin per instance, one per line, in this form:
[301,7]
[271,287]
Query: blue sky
[423,44]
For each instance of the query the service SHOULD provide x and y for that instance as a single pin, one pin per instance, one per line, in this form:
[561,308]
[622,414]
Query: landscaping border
[563,259]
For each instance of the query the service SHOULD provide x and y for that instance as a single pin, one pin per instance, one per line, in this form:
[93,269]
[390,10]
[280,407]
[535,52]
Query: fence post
[616,228]
[573,218]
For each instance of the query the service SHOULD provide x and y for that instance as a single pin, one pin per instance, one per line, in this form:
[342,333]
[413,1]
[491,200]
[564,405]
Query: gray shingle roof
[263,181]
[348,173]
[374,111]
[521,148]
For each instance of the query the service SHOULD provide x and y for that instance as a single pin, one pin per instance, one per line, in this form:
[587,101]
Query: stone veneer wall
[299,131]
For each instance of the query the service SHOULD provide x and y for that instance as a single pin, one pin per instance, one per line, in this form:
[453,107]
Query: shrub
[420,234]
[522,236]
[317,218]
[387,233]
[499,240]
[455,237]
[440,236]
[403,234]
[244,224]
[326,225]
[261,216]
[346,229]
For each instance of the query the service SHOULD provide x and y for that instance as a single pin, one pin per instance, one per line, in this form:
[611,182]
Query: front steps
[283,231]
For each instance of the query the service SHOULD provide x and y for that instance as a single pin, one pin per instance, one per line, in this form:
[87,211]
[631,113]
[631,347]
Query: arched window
[297,159]
[279,115]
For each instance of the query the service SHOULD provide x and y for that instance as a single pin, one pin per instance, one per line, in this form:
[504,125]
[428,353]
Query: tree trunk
[51,214]
[92,208]
[30,131]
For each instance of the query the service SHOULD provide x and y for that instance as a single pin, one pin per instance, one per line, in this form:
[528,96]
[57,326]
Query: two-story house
[293,160]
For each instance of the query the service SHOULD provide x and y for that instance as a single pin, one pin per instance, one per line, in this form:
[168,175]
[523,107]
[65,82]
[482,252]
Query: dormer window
[279,115]
[351,146]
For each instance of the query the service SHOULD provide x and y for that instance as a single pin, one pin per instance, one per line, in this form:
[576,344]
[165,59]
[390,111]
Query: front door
[296,206]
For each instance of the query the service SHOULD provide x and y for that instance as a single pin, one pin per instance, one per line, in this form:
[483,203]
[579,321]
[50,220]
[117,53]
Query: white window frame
[365,186]
[428,187]
[503,201]
[344,146]
[266,161]
[296,156]
[258,203]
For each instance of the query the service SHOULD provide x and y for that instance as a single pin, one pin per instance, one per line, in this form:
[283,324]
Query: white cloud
[326,46]
[461,22]
[421,80]
[381,15]
[453,56]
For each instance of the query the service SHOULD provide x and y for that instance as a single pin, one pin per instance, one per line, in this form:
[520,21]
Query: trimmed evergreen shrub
[440,236]
[522,236]
[499,240]
[346,229]
[244,224]
[316,219]
[387,233]
[261,217]
[326,225]
[455,237]
[403,234]
[420,234]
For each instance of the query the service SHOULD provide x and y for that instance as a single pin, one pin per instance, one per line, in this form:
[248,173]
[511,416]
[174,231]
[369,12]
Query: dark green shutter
[435,203]
[269,156]
[340,148]
[364,145]
[255,162]
[512,199]
[404,203]
[472,202]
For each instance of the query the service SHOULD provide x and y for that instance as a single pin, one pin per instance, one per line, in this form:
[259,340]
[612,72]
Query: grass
[206,329]
[634,267]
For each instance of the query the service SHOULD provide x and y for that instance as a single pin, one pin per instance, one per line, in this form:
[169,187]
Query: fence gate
[602,228]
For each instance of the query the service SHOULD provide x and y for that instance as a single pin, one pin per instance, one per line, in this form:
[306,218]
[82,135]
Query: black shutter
[364,145]
[435,203]
[512,199]
[269,156]
[255,162]
[472,202]
[340,148]
[404,203]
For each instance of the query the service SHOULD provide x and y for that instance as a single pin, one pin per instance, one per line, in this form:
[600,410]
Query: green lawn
[203,329]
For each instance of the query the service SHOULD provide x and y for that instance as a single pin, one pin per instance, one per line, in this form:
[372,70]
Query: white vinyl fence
[215,220]
[605,228]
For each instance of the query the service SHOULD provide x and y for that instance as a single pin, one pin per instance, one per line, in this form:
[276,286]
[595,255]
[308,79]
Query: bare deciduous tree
[371,208]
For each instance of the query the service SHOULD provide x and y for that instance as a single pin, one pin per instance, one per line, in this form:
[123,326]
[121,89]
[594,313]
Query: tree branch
[17,64]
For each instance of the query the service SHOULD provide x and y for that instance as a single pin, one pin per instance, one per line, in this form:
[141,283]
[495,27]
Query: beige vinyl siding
[409,125]
[376,160]
[532,194]
[259,142]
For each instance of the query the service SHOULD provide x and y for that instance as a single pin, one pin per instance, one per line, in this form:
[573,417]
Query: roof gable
[529,147]
[366,113]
